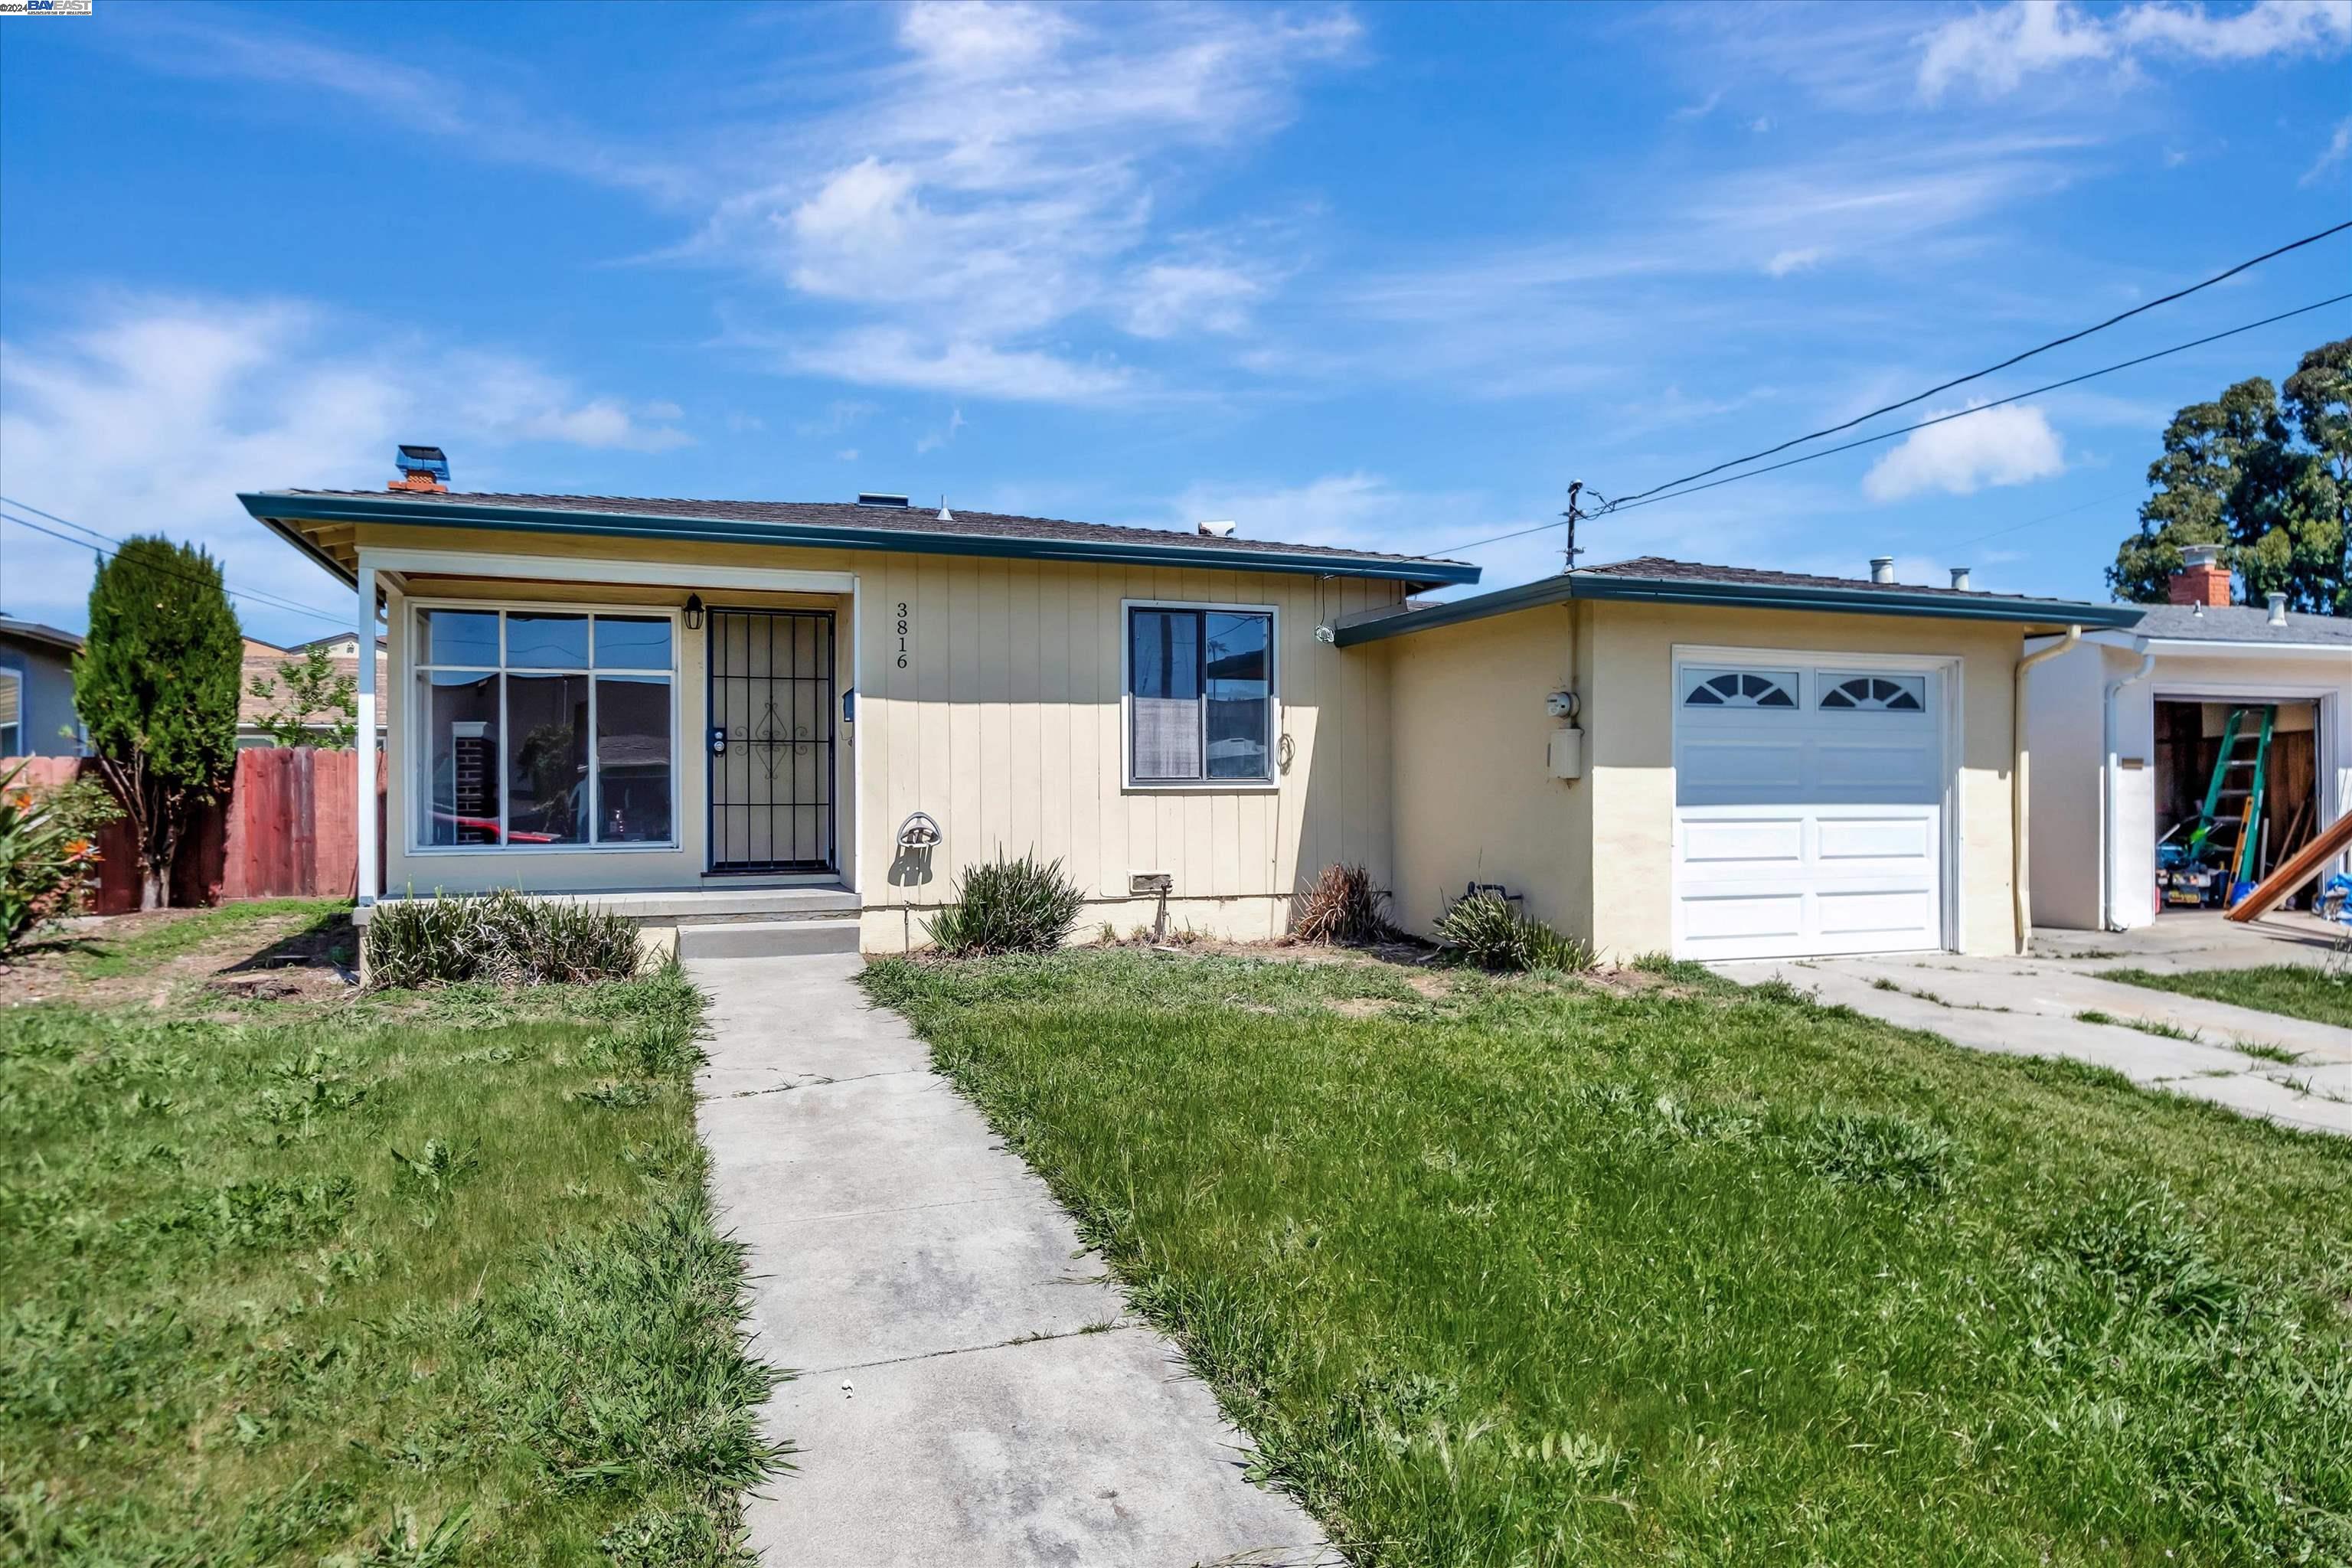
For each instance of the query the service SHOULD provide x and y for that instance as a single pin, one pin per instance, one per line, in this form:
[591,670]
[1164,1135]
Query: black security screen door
[770,741]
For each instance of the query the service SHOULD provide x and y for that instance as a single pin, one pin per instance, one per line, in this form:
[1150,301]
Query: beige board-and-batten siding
[1004,725]
[1594,857]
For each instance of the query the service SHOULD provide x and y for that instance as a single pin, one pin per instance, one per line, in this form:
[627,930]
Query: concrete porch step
[768,939]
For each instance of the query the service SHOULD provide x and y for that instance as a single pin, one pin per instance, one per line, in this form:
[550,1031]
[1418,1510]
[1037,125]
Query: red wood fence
[289,828]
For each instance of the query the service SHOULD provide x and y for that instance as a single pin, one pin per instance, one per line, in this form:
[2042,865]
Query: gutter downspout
[2021,901]
[2110,809]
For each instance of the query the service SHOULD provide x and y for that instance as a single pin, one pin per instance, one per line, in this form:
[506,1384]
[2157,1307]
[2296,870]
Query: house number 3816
[902,634]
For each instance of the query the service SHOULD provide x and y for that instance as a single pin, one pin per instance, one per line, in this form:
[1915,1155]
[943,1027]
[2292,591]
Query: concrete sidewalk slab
[972,1390]
[2020,1007]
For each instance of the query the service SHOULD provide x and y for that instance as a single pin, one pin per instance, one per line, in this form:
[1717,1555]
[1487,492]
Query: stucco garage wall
[1005,724]
[1475,798]
[2065,737]
[1628,717]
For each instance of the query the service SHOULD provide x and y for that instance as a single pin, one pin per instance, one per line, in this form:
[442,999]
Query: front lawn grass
[412,1278]
[2296,989]
[1536,1273]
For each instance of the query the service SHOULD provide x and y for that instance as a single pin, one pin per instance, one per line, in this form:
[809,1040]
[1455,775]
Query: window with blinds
[1200,690]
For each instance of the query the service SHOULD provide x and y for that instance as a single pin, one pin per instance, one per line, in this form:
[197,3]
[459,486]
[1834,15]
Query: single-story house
[266,663]
[36,691]
[785,715]
[2129,728]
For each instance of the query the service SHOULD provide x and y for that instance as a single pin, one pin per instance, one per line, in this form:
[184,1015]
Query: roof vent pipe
[2278,609]
[1882,569]
[1960,578]
[1216,529]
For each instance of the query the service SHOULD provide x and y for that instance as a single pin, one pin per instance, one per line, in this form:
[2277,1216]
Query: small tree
[156,685]
[320,706]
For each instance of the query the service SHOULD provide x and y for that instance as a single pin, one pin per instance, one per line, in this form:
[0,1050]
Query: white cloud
[152,414]
[1170,298]
[2009,446]
[1796,260]
[2339,147]
[995,186]
[893,356]
[1995,51]
[945,435]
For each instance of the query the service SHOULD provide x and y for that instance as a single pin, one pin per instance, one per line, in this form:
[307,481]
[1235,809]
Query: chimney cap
[2192,555]
[410,458]
[1960,578]
[1882,569]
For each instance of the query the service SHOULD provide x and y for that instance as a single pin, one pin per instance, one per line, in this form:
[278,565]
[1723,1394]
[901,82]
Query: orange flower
[79,848]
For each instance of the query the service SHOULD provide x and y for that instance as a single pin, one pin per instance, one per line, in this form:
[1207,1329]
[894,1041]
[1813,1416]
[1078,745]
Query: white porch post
[370,872]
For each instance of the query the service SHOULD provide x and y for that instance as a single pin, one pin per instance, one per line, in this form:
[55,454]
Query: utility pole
[1572,514]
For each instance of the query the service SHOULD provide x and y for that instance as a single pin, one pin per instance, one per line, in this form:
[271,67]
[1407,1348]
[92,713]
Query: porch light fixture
[694,612]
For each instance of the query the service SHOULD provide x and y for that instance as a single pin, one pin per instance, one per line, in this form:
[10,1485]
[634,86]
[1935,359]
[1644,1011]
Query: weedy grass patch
[412,1278]
[2298,991]
[1540,1272]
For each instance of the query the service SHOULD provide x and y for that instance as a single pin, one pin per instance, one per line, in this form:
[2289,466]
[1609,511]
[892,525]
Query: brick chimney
[2202,579]
[421,469]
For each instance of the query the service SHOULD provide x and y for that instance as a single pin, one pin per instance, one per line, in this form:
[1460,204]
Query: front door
[770,741]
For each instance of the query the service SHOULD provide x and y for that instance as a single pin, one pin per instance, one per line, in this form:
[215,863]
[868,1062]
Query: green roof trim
[277,508]
[1860,599]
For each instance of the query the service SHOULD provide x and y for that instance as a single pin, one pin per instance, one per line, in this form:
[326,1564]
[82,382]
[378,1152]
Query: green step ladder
[2235,832]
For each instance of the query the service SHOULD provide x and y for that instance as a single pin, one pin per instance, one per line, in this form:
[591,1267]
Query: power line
[1654,498]
[273,601]
[1651,497]
[2013,359]
[184,576]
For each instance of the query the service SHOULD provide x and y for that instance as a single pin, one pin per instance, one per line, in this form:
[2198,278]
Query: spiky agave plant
[1343,906]
[1492,933]
[1008,906]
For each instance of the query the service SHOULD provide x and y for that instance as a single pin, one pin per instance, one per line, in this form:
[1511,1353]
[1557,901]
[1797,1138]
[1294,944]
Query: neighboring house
[264,661]
[715,710]
[2126,731]
[36,691]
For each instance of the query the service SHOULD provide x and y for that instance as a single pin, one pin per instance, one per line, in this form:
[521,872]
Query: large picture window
[545,729]
[1200,689]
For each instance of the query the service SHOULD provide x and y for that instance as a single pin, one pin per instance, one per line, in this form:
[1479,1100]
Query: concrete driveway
[971,1390]
[2031,1006]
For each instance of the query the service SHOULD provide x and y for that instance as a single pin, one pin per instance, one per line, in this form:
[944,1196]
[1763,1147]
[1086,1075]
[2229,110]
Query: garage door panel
[1906,838]
[1739,767]
[1886,769]
[1741,919]
[1898,912]
[1807,829]
[1777,844]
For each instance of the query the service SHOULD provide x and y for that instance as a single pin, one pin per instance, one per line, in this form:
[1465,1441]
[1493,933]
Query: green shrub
[49,849]
[501,936]
[1865,1149]
[1343,906]
[1008,906]
[1492,933]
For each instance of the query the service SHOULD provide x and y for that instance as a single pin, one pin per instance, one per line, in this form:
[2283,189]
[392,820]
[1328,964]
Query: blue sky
[1386,275]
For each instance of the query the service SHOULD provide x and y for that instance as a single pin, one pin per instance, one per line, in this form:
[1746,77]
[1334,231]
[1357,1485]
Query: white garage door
[1809,809]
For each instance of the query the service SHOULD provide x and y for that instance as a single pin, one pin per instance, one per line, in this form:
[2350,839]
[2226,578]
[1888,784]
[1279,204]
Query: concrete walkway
[970,1390]
[2029,1007]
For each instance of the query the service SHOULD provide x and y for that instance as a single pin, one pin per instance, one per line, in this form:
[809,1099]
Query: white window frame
[1130,784]
[418,734]
[1829,680]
